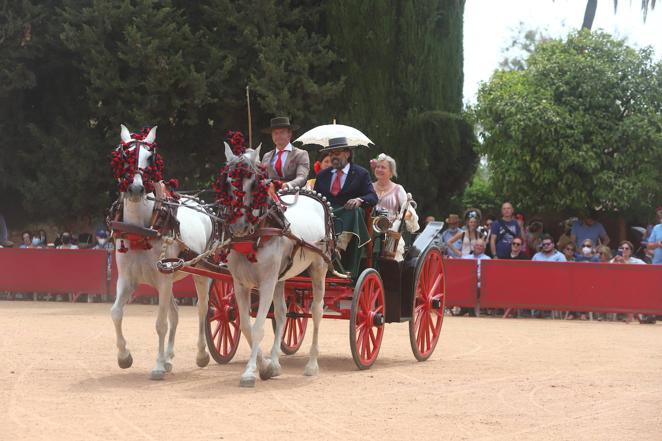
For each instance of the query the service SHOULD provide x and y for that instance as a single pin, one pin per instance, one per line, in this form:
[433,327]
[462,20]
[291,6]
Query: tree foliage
[579,128]
[404,89]
[71,71]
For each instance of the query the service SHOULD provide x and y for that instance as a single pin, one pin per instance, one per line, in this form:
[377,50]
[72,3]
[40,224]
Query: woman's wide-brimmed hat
[472,212]
[280,122]
[339,143]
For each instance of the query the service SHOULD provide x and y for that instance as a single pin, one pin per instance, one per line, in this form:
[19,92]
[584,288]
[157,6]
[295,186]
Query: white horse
[307,218]
[138,265]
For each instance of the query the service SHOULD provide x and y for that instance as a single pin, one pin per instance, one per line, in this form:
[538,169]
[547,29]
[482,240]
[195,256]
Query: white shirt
[343,178]
[288,148]
[631,260]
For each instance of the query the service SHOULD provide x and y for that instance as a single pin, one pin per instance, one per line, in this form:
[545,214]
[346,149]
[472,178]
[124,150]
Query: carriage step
[295,315]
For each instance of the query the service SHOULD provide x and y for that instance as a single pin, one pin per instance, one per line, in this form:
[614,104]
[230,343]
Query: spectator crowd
[511,238]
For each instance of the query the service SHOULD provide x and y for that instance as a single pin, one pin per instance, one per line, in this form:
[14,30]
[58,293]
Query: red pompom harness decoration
[124,163]
[231,196]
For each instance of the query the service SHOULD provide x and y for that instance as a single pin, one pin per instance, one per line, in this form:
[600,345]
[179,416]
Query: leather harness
[162,222]
[272,223]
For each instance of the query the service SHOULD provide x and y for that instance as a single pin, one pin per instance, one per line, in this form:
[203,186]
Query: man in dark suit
[345,184]
[347,187]
[286,163]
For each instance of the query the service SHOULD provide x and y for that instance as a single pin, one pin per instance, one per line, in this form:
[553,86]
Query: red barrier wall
[53,271]
[461,282]
[504,283]
[181,288]
[572,286]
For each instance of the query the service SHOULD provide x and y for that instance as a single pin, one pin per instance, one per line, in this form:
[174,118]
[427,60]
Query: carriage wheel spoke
[218,328]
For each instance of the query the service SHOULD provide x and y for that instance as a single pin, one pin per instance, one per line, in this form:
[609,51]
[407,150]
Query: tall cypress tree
[275,47]
[404,88]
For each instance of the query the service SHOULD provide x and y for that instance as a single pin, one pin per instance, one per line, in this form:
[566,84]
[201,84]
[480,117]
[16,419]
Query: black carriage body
[400,277]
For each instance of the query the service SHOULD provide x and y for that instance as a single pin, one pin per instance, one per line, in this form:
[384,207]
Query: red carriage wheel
[366,321]
[429,303]
[222,329]
[295,322]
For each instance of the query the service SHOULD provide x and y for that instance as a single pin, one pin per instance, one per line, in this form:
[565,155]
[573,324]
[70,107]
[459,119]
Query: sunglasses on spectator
[516,244]
[587,245]
[546,244]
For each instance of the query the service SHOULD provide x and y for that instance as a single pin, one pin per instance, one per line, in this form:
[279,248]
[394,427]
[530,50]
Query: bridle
[231,197]
[124,161]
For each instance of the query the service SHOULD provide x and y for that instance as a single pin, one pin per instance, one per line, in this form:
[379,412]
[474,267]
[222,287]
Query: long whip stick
[250,121]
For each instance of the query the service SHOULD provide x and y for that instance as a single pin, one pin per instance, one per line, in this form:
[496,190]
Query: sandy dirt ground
[489,379]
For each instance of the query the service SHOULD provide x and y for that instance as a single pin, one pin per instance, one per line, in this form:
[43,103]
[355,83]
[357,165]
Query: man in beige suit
[286,163]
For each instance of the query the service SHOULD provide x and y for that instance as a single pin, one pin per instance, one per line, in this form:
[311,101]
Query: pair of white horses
[307,220]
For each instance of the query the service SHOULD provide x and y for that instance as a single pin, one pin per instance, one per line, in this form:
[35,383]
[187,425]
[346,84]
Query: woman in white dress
[392,196]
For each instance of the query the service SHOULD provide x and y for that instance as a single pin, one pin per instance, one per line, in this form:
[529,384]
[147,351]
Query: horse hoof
[311,370]
[270,370]
[247,382]
[202,361]
[125,363]
[168,366]
[157,375]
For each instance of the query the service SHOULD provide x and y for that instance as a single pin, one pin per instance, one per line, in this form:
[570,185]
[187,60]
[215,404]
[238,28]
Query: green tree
[522,45]
[404,89]
[275,47]
[480,194]
[71,71]
[580,128]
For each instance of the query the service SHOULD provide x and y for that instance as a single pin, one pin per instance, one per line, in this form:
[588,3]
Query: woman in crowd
[604,254]
[468,235]
[322,163]
[26,238]
[43,239]
[587,253]
[624,255]
[67,242]
[533,236]
[569,251]
[625,249]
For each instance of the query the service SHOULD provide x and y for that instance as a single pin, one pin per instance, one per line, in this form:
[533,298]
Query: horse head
[242,191]
[136,164]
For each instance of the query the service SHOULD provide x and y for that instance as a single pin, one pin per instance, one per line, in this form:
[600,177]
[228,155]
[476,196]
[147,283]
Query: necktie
[279,164]
[335,187]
